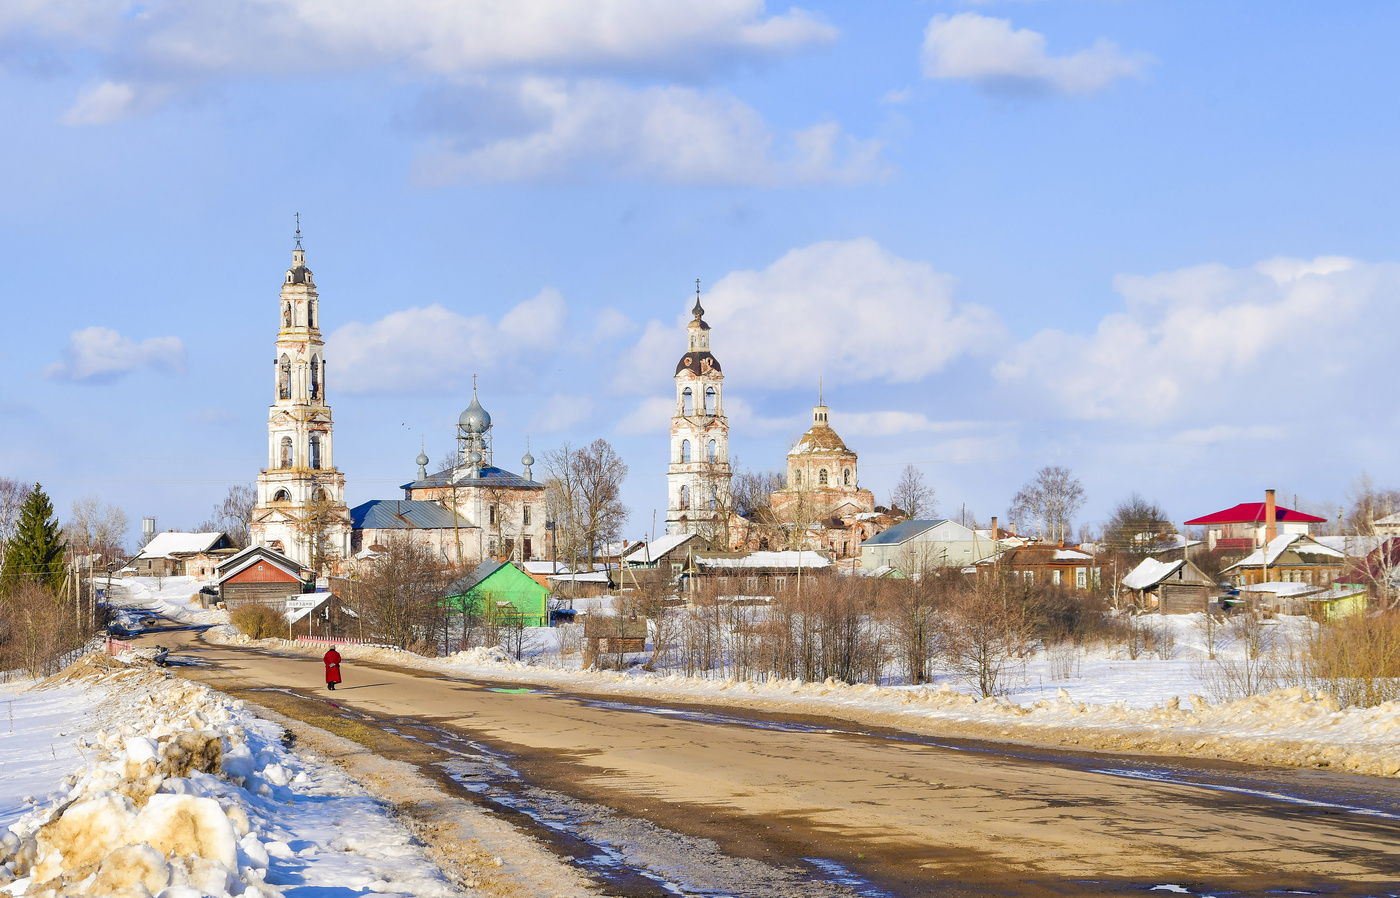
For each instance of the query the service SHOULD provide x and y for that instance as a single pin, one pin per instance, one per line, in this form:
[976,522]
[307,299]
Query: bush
[1357,659]
[259,621]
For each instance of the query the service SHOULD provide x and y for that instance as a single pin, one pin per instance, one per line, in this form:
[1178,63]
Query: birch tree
[1049,501]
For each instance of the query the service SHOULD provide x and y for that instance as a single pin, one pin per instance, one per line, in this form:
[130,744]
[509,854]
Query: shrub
[259,621]
[1357,659]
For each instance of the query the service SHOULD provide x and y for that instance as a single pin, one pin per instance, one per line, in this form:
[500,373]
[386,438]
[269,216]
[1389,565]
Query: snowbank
[174,598]
[1289,727]
[177,791]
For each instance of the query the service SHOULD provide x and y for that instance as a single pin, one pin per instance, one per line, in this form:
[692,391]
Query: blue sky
[1153,242]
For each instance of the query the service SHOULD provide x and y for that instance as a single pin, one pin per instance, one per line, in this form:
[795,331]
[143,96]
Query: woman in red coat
[332,660]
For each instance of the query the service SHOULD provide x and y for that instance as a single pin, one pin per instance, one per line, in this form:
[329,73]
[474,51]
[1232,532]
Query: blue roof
[404,514]
[490,476]
[904,530]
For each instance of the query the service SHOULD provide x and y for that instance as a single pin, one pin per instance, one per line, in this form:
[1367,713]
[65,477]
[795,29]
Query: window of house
[677,567]
[493,516]
[1030,577]
[751,585]
[1055,577]
[780,582]
[526,554]
[846,476]
[525,516]
[685,451]
[821,477]
[1081,578]
[491,547]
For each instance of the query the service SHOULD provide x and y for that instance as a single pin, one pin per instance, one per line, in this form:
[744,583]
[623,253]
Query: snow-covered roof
[1071,555]
[164,545]
[1389,520]
[581,577]
[657,547]
[1352,546]
[759,560]
[1150,572]
[542,567]
[1282,589]
[1303,545]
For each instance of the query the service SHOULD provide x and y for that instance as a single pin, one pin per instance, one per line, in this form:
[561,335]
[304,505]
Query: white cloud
[434,349]
[651,416]
[1200,342]
[850,311]
[102,104]
[558,128]
[890,423]
[100,355]
[996,56]
[560,412]
[257,37]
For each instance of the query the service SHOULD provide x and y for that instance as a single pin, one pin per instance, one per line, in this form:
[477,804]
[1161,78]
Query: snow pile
[184,793]
[175,598]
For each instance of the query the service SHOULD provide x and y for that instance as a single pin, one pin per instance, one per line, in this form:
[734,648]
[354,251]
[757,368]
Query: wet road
[681,792]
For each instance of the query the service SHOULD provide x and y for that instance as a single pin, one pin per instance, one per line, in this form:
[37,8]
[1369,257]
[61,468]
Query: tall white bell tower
[698,478]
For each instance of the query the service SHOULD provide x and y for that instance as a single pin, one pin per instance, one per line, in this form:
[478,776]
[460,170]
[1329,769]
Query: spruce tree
[35,553]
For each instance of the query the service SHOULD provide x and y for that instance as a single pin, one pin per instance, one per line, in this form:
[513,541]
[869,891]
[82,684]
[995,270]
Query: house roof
[164,545]
[251,555]
[405,514]
[658,547]
[1279,588]
[789,560]
[490,476]
[820,438]
[1253,512]
[901,532]
[475,578]
[1295,542]
[1151,572]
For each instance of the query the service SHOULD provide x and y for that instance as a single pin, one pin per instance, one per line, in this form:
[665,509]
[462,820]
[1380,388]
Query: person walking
[332,660]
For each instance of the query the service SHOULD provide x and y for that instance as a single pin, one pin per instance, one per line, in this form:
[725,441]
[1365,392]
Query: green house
[499,588]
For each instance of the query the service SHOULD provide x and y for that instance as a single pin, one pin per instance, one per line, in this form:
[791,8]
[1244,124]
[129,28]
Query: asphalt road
[894,817]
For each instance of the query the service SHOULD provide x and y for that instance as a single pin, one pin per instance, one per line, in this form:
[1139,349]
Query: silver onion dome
[475,419]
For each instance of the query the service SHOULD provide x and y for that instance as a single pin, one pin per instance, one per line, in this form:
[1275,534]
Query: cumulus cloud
[101,355]
[102,104]
[537,128]
[992,54]
[848,310]
[652,415]
[560,412]
[1210,339]
[434,349]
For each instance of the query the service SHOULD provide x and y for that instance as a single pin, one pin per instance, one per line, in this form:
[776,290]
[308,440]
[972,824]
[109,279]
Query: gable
[262,572]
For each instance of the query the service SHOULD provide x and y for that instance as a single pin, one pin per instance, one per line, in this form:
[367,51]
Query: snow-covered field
[127,783]
[1090,698]
[174,598]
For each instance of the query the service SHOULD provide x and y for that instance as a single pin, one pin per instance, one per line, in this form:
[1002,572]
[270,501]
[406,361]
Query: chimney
[1270,517]
[994,527]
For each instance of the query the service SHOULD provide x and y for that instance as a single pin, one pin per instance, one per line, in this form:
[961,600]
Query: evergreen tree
[34,553]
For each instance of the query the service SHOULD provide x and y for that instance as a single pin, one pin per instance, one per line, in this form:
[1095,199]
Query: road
[879,814]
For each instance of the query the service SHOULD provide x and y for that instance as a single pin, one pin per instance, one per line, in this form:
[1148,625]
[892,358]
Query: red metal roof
[1253,512]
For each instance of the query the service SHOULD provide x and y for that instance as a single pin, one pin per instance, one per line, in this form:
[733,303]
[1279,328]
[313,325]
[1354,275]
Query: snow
[658,547]
[176,598]
[1071,555]
[1304,545]
[164,545]
[1150,572]
[790,560]
[126,782]
[1105,697]
[1281,589]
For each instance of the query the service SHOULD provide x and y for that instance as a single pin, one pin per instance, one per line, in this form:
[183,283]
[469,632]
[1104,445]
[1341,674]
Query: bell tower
[698,478]
[301,496]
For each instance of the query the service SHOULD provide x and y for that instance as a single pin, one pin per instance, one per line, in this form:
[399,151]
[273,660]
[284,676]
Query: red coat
[332,660]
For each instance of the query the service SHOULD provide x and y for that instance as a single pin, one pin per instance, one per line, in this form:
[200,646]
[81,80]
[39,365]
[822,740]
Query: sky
[1153,242]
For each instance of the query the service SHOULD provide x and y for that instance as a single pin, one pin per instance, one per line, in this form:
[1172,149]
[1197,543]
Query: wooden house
[259,575]
[1290,558]
[612,634]
[1044,564]
[1171,587]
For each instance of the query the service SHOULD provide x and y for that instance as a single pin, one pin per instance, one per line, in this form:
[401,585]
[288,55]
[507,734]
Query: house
[1171,587]
[916,546]
[1290,558]
[1044,564]
[667,553]
[755,573]
[450,536]
[1321,604]
[1378,573]
[583,584]
[176,554]
[499,589]
[612,634]
[260,575]
[1388,525]
[1249,525]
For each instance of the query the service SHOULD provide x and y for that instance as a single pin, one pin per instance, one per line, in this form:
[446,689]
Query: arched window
[710,400]
[713,452]
[821,477]
[797,477]
[846,477]
[284,378]
[685,451]
[311,314]
[315,378]
[315,452]
[286,314]
[685,496]
[687,402]
[282,496]
[286,454]
[319,495]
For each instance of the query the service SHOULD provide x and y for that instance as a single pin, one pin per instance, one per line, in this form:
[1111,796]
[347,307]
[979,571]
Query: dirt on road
[686,797]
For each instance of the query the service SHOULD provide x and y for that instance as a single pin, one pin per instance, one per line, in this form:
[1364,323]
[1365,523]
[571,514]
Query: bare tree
[318,518]
[751,498]
[562,497]
[1050,501]
[1137,528]
[1368,504]
[912,495]
[235,512]
[583,489]
[399,596]
[985,625]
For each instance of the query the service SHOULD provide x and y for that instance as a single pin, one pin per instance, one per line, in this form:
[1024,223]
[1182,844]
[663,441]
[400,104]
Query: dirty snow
[1089,697]
[128,783]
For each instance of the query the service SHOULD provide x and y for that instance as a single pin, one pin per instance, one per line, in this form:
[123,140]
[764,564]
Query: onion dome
[475,419]
[421,460]
[527,460]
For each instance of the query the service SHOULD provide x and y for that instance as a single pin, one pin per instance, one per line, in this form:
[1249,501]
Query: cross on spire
[298,218]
